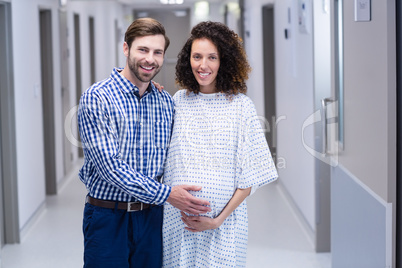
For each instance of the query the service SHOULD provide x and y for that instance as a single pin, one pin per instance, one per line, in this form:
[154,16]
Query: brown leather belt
[128,206]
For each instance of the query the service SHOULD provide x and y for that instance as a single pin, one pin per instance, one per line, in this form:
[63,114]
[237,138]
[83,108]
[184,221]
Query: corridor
[276,237]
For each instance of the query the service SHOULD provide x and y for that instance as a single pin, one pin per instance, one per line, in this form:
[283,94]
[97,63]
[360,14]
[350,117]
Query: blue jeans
[121,239]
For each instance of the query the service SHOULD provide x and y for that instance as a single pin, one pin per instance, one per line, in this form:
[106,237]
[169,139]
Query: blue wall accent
[358,224]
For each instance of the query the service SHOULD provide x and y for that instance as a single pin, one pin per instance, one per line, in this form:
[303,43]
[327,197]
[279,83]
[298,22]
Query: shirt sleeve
[255,163]
[101,146]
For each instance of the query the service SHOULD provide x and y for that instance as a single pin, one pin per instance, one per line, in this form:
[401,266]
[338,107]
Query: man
[125,125]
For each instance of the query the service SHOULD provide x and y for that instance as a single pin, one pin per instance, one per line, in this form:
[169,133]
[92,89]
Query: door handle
[324,104]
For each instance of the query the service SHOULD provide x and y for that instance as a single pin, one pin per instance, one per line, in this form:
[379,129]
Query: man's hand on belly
[180,198]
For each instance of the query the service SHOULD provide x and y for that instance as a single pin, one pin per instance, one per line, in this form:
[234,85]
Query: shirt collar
[126,86]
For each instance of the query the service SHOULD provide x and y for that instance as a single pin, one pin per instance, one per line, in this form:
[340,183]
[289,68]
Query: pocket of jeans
[88,217]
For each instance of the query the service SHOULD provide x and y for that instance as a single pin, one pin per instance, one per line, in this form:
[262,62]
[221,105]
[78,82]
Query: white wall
[294,97]
[27,84]
[28,103]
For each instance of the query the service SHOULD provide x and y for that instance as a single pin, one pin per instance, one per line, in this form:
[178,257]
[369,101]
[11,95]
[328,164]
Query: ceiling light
[172,2]
[201,10]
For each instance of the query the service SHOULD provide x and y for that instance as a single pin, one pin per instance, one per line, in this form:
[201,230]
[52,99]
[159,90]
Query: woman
[217,143]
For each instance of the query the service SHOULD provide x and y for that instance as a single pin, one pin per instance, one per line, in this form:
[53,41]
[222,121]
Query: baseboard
[32,221]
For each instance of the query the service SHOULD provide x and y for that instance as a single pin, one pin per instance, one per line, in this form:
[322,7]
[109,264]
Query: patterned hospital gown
[217,143]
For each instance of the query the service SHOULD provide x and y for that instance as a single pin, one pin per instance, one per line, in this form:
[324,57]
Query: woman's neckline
[209,95]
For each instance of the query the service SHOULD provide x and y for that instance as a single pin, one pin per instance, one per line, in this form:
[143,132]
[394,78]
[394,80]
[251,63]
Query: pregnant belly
[217,198]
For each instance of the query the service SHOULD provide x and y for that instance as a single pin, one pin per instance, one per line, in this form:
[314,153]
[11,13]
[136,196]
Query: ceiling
[150,2]
[156,4]
[153,3]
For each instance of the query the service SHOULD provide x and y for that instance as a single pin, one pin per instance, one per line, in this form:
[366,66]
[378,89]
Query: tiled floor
[276,238]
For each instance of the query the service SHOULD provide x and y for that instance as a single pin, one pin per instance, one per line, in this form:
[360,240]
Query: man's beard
[145,78]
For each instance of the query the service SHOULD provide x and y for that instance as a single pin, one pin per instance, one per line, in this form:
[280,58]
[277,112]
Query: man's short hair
[145,27]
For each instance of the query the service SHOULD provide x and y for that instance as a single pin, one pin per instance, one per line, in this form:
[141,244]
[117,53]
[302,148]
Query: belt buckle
[131,203]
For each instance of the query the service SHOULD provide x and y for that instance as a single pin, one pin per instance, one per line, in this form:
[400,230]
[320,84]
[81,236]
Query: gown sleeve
[255,166]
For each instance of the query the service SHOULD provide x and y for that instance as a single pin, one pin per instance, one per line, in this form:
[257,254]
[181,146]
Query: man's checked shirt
[125,139]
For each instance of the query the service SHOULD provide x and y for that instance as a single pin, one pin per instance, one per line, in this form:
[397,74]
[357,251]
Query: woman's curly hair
[234,67]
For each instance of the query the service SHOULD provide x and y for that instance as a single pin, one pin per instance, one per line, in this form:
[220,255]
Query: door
[78,77]
[46,49]
[92,48]
[399,136]
[65,88]
[324,125]
[363,183]
[3,62]
[9,219]
[269,76]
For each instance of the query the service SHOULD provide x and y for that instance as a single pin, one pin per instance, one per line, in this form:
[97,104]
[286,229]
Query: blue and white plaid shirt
[125,140]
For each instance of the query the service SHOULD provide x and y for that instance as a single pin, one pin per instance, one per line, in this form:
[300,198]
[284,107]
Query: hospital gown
[219,144]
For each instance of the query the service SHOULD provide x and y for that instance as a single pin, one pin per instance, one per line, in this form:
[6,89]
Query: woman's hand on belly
[200,223]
